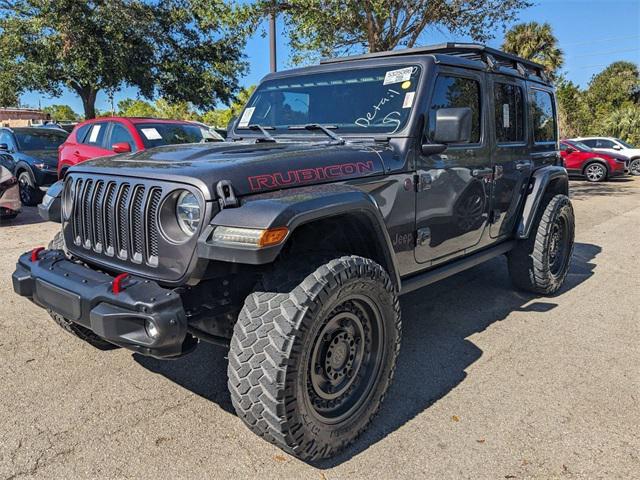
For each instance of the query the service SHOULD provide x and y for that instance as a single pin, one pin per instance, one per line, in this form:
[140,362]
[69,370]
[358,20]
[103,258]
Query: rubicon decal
[308,175]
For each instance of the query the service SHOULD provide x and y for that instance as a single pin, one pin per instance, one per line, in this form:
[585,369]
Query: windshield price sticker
[246,116]
[151,134]
[397,76]
[408,99]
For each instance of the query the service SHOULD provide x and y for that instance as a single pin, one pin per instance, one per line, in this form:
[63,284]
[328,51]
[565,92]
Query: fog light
[151,329]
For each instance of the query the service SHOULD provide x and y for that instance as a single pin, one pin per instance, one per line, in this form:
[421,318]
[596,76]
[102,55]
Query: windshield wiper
[266,136]
[325,129]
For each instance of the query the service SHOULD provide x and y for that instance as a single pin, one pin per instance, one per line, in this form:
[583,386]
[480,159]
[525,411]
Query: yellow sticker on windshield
[406,84]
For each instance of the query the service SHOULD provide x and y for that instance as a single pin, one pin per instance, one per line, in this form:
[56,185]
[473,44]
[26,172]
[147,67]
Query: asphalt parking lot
[491,383]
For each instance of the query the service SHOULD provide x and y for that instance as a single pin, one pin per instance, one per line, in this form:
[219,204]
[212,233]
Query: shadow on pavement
[28,216]
[614,187]
[435,351]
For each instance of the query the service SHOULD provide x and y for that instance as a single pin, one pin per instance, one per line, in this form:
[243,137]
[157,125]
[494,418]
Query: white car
[615,145]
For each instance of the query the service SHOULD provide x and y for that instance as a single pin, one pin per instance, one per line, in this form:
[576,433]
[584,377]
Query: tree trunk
[88,96]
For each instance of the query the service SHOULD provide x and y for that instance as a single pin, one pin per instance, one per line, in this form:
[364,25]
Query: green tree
[178,110]
[222,116]
[337,27]
[624,123]
[573,114]
[182,50]
[9,86]
[535,41]
[61,113]
[130,107]
[615,87]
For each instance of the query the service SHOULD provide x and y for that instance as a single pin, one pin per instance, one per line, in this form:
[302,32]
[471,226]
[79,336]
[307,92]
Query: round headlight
[67,198]
[188,212]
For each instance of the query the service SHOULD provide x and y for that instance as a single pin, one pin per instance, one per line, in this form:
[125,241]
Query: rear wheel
[540,263]
[634,166]
[310,363]
[30,195]
[595,172]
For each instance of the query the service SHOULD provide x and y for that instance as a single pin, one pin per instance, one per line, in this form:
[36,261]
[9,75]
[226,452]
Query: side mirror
[231,124]
[570,150]
[617,147]
[121,147]
[4,147]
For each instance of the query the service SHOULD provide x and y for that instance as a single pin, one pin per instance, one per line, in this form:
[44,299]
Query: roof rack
[492,57]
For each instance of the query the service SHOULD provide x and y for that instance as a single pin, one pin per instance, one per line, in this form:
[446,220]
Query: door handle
[523,164]
[482,172]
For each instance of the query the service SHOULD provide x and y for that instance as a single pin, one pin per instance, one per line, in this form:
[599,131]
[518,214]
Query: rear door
[511,157]
[93,144]
[452,202]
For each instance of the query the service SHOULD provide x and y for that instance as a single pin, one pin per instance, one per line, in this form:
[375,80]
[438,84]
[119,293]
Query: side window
[6,138]
[81,133]
[544,123]
[509,112]
[604,144]
[589,143]
[95,135]
[563,147]
[456,92]
[120,134]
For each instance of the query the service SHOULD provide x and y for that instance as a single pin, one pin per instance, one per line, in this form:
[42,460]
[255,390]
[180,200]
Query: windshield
[372,100]
[624,143]
[157,134]
[40,140]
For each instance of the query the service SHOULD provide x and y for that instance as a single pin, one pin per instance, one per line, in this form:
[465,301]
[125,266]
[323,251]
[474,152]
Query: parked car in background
[108,136]
[10,204]
[35,153]
[579,159]
[210,134]
[615,145]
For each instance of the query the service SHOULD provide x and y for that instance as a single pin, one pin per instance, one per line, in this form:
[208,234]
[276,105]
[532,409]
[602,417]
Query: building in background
[22,117]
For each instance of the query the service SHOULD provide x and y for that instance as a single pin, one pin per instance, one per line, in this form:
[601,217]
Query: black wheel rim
[25,187]
[558,246]
[345,360]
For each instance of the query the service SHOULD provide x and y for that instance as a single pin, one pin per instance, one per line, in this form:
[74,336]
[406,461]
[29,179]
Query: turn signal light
[250,237]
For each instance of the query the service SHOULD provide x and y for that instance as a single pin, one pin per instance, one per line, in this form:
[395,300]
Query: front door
[454,187]
[512,162]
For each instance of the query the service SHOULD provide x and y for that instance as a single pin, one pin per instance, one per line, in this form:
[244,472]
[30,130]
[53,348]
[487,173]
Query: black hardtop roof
[492,58]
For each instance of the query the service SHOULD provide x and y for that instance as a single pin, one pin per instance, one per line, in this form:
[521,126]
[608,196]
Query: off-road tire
[275,343]
[57,242]
[81,332]
[30,195]
[531,262]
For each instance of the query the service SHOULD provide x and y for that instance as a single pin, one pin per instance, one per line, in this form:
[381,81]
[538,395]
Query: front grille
[117,219]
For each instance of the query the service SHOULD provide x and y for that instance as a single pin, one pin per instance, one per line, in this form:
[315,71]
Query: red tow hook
[116,285]
[35,252]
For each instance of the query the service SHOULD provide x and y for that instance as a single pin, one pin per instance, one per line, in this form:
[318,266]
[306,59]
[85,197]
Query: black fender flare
[22,165]
[538,184]
[293,208]
[50,208]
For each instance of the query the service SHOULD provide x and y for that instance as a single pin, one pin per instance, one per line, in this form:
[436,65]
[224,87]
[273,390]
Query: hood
[50,157]
[250,167]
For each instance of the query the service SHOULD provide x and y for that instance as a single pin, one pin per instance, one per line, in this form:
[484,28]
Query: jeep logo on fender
[308,175]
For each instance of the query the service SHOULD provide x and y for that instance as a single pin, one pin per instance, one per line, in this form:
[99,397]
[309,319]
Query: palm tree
[535,41]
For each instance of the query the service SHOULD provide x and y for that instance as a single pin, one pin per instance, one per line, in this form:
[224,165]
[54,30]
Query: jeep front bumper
[86,297]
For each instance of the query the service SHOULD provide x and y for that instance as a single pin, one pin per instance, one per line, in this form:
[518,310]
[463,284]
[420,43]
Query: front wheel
[30,195]
[540,263]
[634,166]
[595,172]
[310,363]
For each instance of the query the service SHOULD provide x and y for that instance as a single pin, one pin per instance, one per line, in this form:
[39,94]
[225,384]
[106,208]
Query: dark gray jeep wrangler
[342,186]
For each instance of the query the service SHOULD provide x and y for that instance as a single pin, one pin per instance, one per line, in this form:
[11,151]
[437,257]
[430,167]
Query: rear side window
[81,133]
[589,143]
[602,143]
[509,112]
[456,92]
[95,135]
[544,123]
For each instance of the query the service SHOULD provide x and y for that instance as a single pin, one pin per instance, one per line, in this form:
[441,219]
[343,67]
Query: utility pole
[272,38]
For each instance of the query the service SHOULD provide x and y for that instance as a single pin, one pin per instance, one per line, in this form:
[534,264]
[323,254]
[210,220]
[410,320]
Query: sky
[591,33]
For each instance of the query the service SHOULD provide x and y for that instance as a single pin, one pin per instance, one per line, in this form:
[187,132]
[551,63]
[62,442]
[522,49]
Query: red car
[582,160]
[107,136]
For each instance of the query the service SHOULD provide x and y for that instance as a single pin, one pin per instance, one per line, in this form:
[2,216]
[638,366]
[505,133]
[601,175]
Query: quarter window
[456,92]
[509,113]
[544,123]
